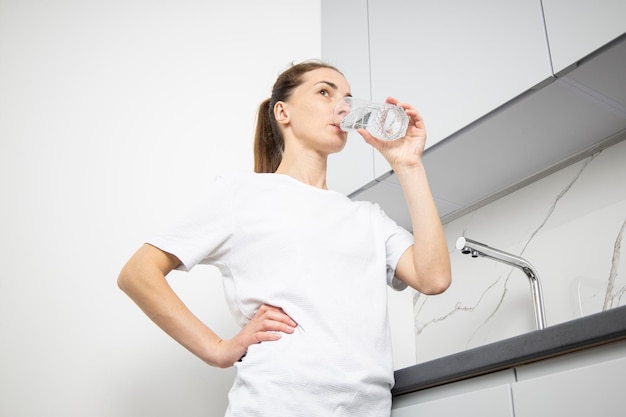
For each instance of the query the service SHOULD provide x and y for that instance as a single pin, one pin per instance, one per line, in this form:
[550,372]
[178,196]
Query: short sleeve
[397,241]
[204,233]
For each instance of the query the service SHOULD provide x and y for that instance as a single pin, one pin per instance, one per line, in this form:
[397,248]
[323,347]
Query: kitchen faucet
[468,246]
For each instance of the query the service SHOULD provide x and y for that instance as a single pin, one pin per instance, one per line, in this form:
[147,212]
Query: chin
[338,146]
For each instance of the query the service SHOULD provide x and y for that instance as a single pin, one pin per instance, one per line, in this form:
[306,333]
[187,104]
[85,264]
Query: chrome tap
[476,249]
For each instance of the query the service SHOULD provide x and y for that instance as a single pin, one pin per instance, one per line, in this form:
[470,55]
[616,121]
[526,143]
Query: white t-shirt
[326,261]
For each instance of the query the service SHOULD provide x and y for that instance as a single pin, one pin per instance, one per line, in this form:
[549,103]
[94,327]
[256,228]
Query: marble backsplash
[568,225]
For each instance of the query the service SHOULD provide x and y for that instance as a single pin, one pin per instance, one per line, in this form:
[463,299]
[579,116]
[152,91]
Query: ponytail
[269,143]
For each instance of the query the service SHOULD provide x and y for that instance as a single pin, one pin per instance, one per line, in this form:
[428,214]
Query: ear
[281,113]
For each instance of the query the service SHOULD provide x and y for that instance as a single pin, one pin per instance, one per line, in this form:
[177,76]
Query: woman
[305,269]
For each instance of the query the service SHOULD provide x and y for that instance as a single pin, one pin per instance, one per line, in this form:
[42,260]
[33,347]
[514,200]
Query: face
[307,116]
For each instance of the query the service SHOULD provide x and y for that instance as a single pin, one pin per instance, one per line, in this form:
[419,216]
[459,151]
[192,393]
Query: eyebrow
[332,85]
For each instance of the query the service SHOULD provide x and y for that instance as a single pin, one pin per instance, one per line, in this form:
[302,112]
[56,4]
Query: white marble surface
[569,226]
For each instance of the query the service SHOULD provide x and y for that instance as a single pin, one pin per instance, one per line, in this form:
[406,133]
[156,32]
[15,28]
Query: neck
[309,169]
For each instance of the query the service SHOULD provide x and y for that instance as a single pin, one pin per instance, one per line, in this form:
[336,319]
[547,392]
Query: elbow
[124,280]
[144,270]
[436,289]
[437,284]
[432,279]
[439,278]
[129,278]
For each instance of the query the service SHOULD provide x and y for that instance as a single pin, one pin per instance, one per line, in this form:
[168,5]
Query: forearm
[430,257]
[144,282]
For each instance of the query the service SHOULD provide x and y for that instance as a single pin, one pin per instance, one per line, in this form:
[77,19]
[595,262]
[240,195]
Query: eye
[324,92]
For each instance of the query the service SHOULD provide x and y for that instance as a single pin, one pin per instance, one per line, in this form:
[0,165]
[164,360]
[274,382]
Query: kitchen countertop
[607,326]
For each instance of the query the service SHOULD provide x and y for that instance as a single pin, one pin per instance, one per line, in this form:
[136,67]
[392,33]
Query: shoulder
[373,208]
[245,178]
[234,177]
[232,183]
[240,186]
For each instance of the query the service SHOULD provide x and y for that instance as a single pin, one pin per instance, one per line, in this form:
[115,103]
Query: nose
[342,108]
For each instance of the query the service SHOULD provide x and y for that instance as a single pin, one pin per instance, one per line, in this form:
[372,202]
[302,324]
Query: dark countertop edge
[578,334]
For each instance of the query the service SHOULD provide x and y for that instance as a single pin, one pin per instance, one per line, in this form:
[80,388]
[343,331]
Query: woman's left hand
[405,152]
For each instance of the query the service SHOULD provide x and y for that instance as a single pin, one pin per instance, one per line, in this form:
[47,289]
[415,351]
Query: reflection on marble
[569,225]
[613,295]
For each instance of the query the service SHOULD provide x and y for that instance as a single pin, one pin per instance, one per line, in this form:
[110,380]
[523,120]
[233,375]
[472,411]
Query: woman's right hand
[268,324]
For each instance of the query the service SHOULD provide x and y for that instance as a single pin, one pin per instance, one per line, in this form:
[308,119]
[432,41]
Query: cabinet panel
[577,28]
[455,60]
[345,45]
[495,401]
[595,390]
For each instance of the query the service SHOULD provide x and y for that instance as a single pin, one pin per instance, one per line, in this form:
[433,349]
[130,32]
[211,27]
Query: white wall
[113,114]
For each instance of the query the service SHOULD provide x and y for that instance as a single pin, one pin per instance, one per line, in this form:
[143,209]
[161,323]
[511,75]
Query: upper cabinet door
[576,28]
[345,45]
[455,61]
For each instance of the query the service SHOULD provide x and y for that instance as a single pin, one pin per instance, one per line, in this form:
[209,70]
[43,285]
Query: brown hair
[268,139]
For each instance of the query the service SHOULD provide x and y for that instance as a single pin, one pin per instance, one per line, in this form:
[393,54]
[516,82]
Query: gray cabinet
[578,384]
[577,387]
[485,396]
[482,76]
[490,402]
[576,28]
[455,61]
[345,45]
[455,64]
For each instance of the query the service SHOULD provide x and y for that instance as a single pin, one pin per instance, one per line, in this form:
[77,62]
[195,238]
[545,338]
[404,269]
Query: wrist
[411,169]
